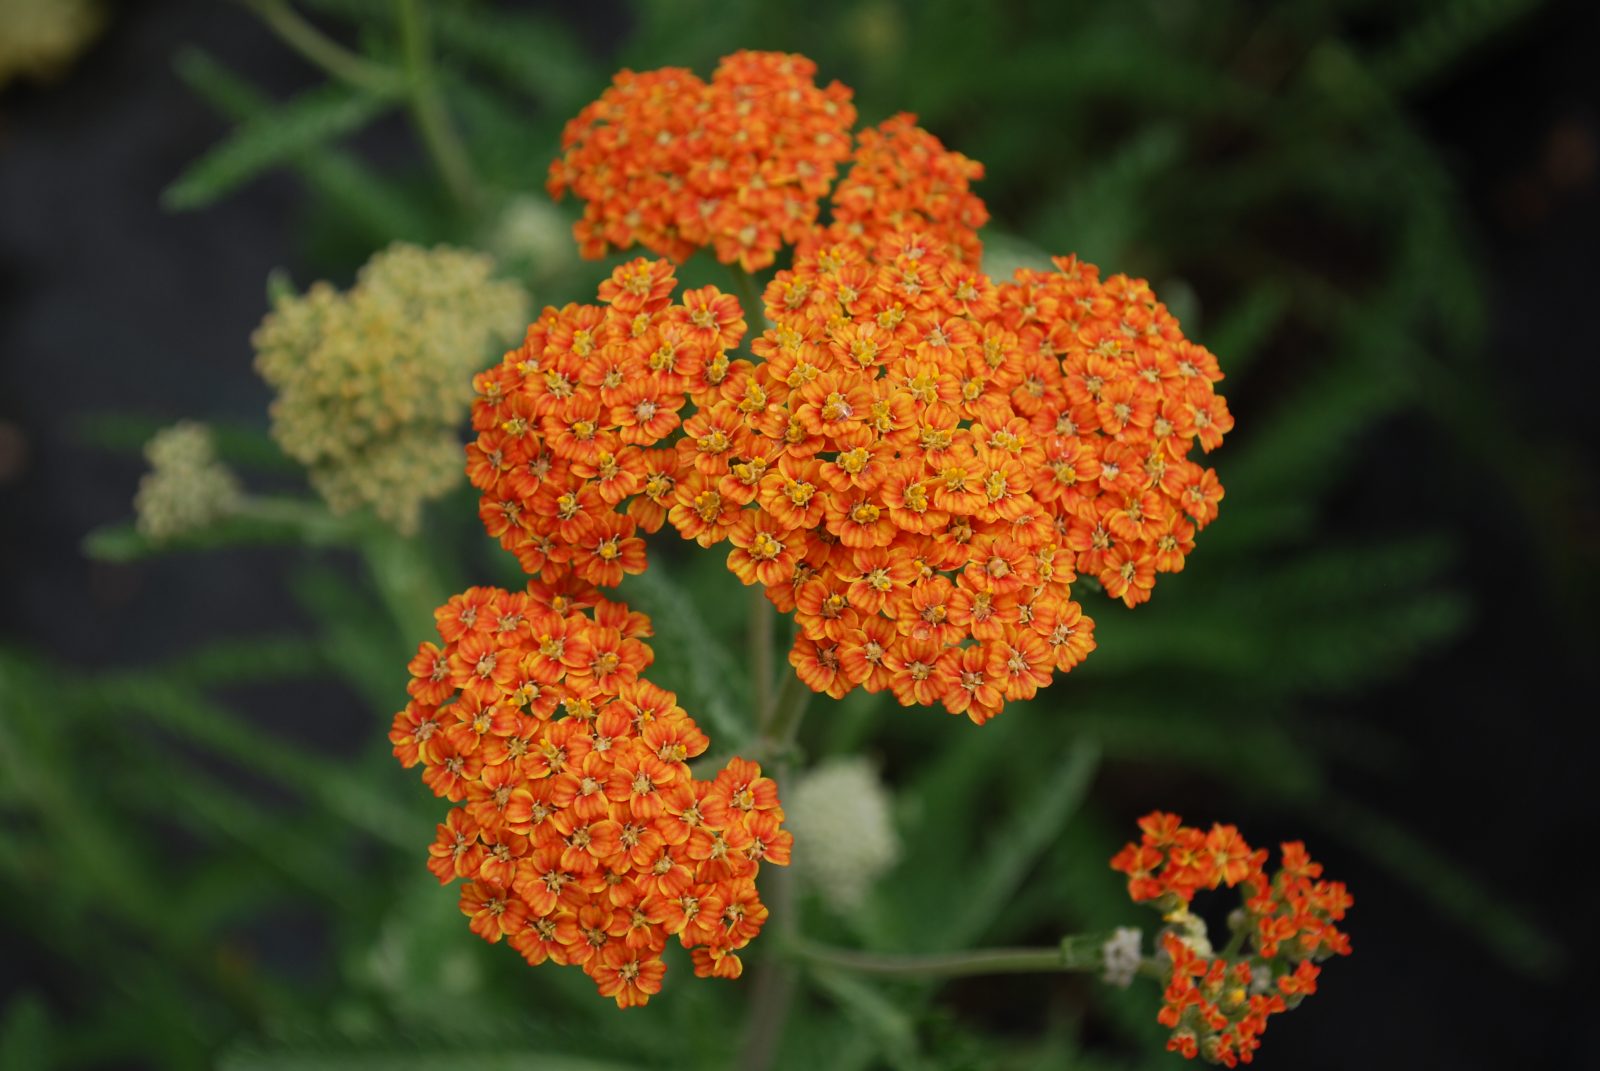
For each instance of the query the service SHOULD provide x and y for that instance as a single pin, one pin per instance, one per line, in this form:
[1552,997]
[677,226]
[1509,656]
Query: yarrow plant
[914,460]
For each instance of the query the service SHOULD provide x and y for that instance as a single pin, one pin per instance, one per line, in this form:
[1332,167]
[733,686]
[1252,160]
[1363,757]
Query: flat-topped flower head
[918,463]
[1217,1005]
[916,460]
[187,488]
[581,835]
[574,454]
[673,163]
[372,382]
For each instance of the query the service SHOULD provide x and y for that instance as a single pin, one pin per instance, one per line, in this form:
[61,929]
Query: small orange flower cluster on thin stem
[581,832]
[1217,1006]
[672,163]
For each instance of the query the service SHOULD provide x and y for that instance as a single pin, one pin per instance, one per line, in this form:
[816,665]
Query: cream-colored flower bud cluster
[373,382]
[187,488]
[843,825]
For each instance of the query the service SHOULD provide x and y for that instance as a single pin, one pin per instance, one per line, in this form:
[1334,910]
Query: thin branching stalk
[761,624]
[322,50]
[1073,954]
[427,107]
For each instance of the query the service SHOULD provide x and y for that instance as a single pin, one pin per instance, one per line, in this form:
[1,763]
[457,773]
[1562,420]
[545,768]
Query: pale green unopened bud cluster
[187,488]
[39,37]
[844,836]
[373,382]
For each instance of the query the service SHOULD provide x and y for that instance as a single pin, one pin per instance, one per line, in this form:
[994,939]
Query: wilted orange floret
[672,163]
[1218,1006]
[581,833]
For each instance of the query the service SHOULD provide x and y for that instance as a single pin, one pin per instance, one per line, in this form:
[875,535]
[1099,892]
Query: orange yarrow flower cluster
[935,458]
[740,164]
[916,460]
[672,163]
[573,454]
[582,835]
[1217,1006]
[917,463]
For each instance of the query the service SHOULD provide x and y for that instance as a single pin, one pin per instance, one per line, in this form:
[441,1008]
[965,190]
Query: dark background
[110,305]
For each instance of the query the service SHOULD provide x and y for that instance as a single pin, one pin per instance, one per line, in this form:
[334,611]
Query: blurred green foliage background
[186,885]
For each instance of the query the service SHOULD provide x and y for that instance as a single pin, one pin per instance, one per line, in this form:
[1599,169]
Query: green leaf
[358,194]
[1442,37]
[205,723]
[356,637]
[1444,886]
[712,686]
[237,444]
[247,661]
[527,51]
[1104,210]
[878,1017]
[260,522]
[1240,335]
[272,138]
[25,1034]
[1028,834]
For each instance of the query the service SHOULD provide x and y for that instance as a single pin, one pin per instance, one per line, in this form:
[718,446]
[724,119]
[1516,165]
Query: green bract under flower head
[373,381]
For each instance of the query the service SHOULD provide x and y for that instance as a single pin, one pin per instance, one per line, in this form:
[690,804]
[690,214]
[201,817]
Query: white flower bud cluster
[187,488]
[374,382]
[1121,954]
[534,236]
[844,835]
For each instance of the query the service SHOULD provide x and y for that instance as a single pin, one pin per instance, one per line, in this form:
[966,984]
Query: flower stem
[323,51]
[755,313]
[427,107]
[937,965]
[781,725]
[760,625]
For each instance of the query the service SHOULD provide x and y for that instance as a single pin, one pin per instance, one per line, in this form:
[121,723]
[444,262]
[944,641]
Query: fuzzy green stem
[755,313]
[774,979]
[427,107]
[944,964]
[781,725]
[323,51]
[1236,943]
[762,618]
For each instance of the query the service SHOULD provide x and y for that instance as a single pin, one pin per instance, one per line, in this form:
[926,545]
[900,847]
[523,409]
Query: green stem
[406,581]
[755,313]
[762,618]
[781,725]
[941,964]
[427,107]
[774,979]
[1236,942]
[323,51]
